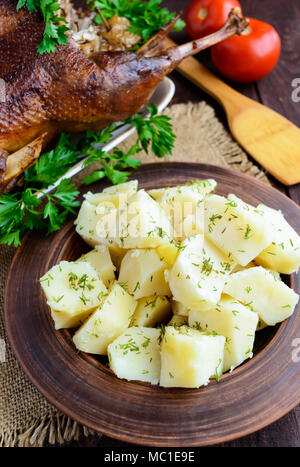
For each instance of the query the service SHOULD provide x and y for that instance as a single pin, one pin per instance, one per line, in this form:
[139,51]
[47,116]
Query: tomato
[248,57]
[204,17]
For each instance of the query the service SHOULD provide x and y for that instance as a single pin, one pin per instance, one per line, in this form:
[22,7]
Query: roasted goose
[90,82]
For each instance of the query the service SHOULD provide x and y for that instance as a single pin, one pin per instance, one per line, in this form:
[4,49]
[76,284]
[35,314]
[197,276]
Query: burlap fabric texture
[26,418]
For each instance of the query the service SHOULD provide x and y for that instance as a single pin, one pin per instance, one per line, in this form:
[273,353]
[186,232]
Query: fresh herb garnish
[216,376]
[146,342]
[54,164]
[162,328]
[231,203]
[23,210]
[212,219]
[130,346]
[20,211]
[154,132]
[55,26]
[207,266]
[146,18]
[248,232]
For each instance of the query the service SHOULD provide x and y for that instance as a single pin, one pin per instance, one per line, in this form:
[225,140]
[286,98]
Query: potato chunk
[151,311]
[263,293]
[101,261]
[97,224]
[135,355]
[283,254]
[236,228]
[202,187]
[116,194]
[239,268]
[72,290]
[199,274]
[128,187]
[186,210]
[234,321]
[191,224]
[142,223]
[169,252]
[189,358]
[142,274]
[106,323]
[179,309]
[178,320]
[184,205]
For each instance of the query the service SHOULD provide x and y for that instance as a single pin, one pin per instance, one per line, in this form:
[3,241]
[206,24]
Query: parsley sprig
[146,17]
[23,210]
[155,132]
[20,211]
[54,164]
[55,25]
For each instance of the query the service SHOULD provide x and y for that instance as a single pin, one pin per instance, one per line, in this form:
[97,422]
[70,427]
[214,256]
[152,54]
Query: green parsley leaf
[55,26]
[146,18]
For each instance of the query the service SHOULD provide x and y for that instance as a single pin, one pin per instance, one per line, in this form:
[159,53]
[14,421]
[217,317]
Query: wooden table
[274,91]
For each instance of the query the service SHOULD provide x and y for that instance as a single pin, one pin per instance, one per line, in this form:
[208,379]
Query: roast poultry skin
[69,90]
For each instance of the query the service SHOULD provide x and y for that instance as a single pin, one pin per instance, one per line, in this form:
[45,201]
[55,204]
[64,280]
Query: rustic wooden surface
[274,91]
[241,403]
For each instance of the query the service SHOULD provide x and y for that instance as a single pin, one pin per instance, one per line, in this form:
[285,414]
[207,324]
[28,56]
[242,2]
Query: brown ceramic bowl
[254,395]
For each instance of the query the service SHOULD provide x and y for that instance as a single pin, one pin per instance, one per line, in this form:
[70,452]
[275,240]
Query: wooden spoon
[267,136]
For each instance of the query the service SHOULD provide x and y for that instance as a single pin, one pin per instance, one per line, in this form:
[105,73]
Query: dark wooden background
[274,91]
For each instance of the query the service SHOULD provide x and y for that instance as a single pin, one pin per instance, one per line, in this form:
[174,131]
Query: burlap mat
[26,418]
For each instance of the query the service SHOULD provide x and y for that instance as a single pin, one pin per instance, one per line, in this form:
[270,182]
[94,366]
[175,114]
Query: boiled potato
[283,253]
[181,195]
[263,293]
[101,261]
[238,267]
[185,257]
[142,273]
[72,290]
[142,223]
[234,321]
[178,320]
[86,222]
[252,264]
[179,309]
[129,188]
[169,252]
[184,205]
[189,358]
[236,228]
[135,355]
[97,218]
[261,325]
[203,187]
[199,274]
[97,225]
[157,193]
[191,225]
[107,323]
[151,311]
[116,194]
